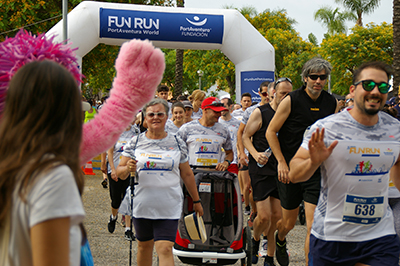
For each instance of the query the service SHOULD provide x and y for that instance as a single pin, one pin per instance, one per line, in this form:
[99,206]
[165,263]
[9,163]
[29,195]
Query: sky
[300,10]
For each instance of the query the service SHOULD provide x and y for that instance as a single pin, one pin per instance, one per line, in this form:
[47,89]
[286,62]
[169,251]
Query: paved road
[112,249]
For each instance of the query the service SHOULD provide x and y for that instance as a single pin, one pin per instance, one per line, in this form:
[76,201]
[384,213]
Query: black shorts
[117,191]
[291,195]
[244,168]
[148,229]
[264,186]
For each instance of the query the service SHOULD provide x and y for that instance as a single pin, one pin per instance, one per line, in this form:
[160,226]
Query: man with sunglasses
[205,137]
[294,115]
[358,150]
[263,179]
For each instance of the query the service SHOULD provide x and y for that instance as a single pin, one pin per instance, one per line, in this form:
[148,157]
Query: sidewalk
[112,249]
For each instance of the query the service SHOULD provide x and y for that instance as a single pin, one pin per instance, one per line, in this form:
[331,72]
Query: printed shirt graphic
[238,114]
[205,143]
[158,194]
[233,127]
[353,204]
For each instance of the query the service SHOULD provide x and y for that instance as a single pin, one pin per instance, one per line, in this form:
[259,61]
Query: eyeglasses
[282,80]
[160,115]
[315,77]
[369,85]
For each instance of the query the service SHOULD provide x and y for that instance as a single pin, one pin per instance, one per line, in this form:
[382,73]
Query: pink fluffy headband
[24,48]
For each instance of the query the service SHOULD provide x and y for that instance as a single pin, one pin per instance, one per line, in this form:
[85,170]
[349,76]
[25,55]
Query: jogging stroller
[227,241]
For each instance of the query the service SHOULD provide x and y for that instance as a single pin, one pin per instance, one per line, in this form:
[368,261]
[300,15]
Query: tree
[346,53]
[360,7]
[333,20]
[396,46]
[179,63]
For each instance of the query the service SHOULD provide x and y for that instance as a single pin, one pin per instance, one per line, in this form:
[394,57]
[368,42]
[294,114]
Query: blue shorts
[381,251]
[148,229]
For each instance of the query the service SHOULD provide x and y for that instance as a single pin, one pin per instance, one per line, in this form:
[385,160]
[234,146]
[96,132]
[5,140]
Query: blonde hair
[197,95]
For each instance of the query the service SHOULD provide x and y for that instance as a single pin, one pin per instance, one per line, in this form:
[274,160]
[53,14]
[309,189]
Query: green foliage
[334,20]
[345,53]
[359,7]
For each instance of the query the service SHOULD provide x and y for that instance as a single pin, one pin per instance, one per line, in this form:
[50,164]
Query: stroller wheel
[302,214]
[247,247]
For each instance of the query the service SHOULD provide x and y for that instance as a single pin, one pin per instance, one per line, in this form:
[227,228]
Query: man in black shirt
[264,179]
[295,114]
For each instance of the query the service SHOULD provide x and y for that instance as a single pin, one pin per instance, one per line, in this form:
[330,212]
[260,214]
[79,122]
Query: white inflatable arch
[91,23]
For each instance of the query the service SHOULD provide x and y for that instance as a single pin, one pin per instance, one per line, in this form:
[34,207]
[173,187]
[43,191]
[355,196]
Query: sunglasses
[315,77]
[265,94]
[215,104]
[369,85]
[160,115]
[282,80]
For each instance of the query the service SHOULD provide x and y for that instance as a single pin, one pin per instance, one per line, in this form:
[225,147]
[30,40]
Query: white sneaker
[263,249]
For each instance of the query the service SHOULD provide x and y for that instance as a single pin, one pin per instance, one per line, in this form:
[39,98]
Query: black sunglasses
[369,85]
[315,77]
[282,80]
[215,104]
[265,94]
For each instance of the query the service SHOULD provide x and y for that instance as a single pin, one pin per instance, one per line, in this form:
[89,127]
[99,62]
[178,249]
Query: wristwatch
[229,162]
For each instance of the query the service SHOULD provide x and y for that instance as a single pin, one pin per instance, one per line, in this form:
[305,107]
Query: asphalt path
[112,249]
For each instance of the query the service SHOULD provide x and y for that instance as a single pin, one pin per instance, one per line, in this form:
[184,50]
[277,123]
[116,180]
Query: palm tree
[179,63]
[360,7]
[333,19]
[396,46]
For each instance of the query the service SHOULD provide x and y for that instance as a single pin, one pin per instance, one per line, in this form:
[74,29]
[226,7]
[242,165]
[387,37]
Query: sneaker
[104,183]
[281,253]
[247,210]
[251,219]
[129,235]
[111,224]
[254,255]
[263,250]
[269,263]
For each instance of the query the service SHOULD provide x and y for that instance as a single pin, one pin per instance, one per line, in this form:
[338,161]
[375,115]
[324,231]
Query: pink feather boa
[139,67]
[139,71]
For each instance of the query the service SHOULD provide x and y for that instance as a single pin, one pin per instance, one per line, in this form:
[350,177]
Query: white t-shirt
[205,143]
[353,203]
[233,127]
[238,114]
[170,127]
[159,193]
[55,195]
[125,137]
[198,114]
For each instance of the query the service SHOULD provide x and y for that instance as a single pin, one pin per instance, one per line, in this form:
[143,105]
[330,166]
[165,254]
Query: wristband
[229,162]
[197,201]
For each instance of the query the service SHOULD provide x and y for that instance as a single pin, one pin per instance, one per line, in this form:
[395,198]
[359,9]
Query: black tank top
[260,144]
[304,112]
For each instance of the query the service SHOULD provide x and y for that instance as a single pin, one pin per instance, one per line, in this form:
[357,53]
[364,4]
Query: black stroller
[227,240]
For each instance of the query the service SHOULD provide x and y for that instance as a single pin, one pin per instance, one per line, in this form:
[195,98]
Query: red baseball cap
[214,104]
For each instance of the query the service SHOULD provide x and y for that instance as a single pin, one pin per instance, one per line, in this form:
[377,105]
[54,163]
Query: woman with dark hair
[40,176]
[178,115]
[162,161]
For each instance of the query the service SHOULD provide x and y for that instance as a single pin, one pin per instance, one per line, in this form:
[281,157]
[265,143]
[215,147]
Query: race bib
[363,210]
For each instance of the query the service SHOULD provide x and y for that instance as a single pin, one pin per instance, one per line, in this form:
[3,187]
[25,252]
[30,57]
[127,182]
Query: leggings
[117,191]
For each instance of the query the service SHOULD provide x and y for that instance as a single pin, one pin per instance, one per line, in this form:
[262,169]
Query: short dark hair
[181,98]
[264,84]
[246,94]
[161,88]
[372,64]
[229,101]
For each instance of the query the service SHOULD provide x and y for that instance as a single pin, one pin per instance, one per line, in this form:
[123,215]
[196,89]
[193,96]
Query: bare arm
[103,166]
[243,159]
[110,154]
[125,167]
[306,162]
[395,174]
[253,125]
[282,113]
[50,242]
[188,178]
